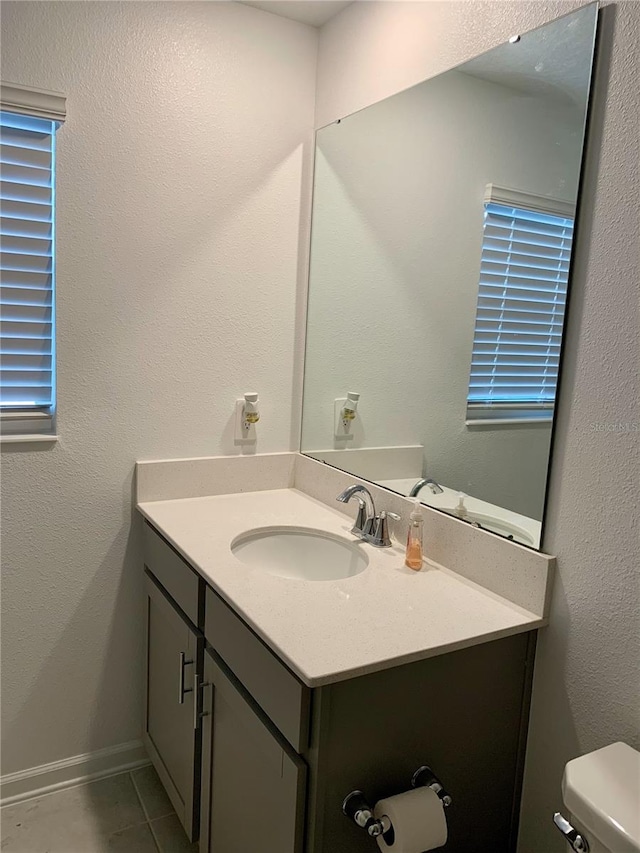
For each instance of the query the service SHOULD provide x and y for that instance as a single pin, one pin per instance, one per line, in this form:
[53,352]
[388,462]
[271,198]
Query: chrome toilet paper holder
[356,806]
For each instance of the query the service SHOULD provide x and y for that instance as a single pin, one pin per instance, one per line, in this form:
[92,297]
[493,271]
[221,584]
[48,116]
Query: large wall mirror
[440,261]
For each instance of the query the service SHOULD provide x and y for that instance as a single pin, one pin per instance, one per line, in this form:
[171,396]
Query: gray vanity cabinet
[253,783]
[262,762]
[464,713]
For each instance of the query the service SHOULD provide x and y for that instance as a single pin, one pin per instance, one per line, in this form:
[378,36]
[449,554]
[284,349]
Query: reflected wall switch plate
[342,429]
[244,433]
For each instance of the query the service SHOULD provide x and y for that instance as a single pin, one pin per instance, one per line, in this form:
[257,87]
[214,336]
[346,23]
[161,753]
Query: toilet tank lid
[602,790]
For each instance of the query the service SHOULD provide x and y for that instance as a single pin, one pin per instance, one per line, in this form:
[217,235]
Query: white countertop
[328,631]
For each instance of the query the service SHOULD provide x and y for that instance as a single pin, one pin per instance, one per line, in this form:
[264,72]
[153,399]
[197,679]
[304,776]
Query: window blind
[27,167]
[524,271]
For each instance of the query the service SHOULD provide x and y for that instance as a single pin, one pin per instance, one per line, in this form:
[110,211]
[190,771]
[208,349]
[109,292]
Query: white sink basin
[300,552]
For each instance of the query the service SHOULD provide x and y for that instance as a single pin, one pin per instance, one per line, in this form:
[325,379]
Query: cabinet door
[253,787]
[171,736]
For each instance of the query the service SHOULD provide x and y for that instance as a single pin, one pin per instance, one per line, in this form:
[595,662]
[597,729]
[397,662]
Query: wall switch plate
[243,434]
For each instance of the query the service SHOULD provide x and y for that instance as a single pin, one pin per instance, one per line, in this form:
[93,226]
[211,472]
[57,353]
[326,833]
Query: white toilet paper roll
[418,821]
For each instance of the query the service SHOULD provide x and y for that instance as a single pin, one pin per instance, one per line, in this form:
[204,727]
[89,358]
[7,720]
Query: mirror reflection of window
[524,271]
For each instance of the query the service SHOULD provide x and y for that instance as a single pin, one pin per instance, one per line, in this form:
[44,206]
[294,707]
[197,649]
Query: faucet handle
[380,536]
[362,522]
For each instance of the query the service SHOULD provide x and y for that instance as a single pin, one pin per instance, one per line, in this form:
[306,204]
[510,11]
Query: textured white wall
[183,169]
[588,664]
[395,261]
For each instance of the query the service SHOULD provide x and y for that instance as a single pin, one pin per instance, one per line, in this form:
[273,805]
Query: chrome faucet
[436,488]
[369,526]
[366,509]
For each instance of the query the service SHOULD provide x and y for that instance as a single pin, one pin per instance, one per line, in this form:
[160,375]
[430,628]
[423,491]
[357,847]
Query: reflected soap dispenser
[461,510]
[415,536]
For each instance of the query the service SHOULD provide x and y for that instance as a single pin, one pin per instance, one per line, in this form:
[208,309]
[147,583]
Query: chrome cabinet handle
[196,679]
[199,691]
[181,687]
[572,836]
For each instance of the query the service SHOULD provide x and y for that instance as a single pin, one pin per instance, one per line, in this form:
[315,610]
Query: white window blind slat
[25,296]
[534,288]
[516,348]
[519,261]
[27,164]
[10,361]
[499,332]
[521,278]
[522,290]
[538,239]
[12,329]
[25,210]
[519,299]
[525,309]
[23,193]
[25,397]
[526,249]
[19,132]
[18,155]
[29,245]
[26,346]
[31,314]
[25,279]
[28,175]
[25,262]
[513,371]
[27,228]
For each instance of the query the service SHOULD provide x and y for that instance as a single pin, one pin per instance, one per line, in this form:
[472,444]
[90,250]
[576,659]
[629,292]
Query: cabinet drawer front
[176,576]
[283,698]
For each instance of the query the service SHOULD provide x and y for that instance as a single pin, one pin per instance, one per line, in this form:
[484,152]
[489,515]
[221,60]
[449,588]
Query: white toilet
[601,791]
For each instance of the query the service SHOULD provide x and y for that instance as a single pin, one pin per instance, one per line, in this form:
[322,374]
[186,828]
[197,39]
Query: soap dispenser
[413,558]
[461,510]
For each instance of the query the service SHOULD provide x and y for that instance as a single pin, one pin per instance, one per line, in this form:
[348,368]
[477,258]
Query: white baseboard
[36,781]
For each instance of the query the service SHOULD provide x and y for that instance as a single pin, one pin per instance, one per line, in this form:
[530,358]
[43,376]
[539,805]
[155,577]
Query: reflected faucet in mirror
[435,488]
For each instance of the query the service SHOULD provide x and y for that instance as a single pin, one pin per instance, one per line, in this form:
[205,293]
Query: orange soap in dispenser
[413,557]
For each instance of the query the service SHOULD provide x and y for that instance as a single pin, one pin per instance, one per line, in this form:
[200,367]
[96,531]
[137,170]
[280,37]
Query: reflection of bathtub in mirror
[399,469]
[494,518]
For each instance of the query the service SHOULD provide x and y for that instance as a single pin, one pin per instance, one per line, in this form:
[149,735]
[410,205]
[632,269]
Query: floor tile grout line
[153,835]
[145,816]
[140,800]
[145,813]
[144,807]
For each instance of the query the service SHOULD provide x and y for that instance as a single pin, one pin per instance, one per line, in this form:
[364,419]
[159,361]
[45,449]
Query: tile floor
[129,813]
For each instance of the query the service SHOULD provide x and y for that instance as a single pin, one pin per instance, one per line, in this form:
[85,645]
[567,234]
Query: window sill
[494,422]
[27,439]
